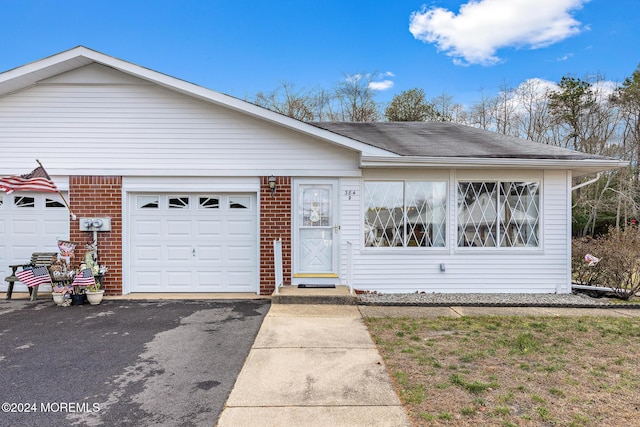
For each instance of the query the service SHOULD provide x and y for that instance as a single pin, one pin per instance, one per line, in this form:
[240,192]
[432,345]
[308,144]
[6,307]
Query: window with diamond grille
[498,214]
[405,214]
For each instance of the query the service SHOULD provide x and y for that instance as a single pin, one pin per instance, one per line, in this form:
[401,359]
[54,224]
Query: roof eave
[578,167]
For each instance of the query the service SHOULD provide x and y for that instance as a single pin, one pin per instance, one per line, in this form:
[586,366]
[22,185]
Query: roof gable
[46,69]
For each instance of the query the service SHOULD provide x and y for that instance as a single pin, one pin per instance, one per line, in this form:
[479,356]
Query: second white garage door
[193,242]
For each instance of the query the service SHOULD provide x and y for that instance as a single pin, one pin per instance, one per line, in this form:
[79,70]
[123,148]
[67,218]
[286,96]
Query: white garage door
[29,222]
[193,243]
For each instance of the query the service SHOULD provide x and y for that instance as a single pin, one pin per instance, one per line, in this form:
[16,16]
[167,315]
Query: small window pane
[477,214]
[315,207]
[24,202]
[426,208]
[519,214]
[383,214]
[239,202]
[209,202]
[179,202]
[148,202]
[50,203]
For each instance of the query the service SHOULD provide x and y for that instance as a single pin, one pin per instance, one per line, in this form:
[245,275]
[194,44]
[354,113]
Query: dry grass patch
[513,371]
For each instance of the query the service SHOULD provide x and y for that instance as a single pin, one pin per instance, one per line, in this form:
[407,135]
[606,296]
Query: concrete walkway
[313,365]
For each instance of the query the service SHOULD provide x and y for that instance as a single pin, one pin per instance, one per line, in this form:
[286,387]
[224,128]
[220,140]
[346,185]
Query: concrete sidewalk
[313,365]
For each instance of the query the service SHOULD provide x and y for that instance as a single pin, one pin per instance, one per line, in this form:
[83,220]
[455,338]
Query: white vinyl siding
[128,127]
[541,269]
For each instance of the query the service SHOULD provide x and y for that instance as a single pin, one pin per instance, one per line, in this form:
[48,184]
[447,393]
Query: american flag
[34,276]
[38,180]
[62,289]
[84,278]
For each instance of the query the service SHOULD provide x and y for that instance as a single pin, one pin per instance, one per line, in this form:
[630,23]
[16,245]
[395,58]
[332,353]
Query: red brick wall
[99,196]
[275,223]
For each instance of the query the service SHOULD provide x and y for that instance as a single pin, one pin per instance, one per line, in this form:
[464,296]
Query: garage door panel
[176,253]
[212,249]
[209,253]
[179,279]
[240,228]
[239,279]
[178,228]
[148,253]
[147,227]
[55,227]
[210,228]
[25,227]
[149,279]
[241,254]
[212,278]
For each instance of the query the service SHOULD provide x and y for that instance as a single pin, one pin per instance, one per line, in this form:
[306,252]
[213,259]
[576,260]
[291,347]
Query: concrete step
[293,295]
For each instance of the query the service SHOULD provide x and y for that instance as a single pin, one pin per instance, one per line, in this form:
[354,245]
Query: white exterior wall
[530,270]
[97,121]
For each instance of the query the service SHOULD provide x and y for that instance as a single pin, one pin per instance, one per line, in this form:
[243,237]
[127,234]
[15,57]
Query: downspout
[584,184]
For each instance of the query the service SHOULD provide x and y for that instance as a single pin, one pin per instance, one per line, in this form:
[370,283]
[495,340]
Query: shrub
[582,272]
[618,268]
[620,261]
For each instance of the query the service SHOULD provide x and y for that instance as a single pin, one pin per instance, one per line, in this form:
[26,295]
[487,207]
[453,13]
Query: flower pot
[58,298]
[77,299]
[95,298]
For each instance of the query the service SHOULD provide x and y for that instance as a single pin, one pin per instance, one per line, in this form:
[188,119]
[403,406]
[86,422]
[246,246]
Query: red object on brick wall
[99,196]
[275,223]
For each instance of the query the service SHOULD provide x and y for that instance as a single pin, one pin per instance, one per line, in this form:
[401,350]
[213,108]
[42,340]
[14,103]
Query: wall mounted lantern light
[272,184]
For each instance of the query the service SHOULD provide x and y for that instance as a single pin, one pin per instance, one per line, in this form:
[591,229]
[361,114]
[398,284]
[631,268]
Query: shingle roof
[444,139]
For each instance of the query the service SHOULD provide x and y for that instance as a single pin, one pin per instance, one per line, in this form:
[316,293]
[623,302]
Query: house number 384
[349,193]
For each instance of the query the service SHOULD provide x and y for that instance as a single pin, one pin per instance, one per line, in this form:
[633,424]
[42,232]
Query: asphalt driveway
[122,363]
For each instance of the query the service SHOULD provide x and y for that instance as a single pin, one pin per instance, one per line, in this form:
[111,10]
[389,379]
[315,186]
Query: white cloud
[564,57]
[373,85]
[481,27]
[383,85]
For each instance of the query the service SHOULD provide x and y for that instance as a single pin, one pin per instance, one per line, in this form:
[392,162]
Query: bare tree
[288,100]
[356,98]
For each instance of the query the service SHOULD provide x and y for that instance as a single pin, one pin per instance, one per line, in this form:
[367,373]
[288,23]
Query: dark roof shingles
[445,139]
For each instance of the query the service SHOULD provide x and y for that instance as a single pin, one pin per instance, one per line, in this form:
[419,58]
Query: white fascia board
[580,167]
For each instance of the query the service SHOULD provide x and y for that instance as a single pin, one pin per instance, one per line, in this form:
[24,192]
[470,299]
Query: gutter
[485,162]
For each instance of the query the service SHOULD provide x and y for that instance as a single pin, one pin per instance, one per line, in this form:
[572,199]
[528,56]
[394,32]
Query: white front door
[316,216]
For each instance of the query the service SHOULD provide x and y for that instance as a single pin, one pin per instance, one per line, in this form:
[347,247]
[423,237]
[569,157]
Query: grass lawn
[512,370]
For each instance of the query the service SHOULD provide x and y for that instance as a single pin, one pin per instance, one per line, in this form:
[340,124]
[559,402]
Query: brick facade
[275,223]
[99,196]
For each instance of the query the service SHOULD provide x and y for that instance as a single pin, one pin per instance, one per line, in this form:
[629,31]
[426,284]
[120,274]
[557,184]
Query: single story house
[183,175]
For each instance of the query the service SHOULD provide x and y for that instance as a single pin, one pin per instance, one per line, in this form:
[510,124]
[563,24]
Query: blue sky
[241,47]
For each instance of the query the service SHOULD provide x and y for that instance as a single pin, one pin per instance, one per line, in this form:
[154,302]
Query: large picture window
[498,214]
[405,213]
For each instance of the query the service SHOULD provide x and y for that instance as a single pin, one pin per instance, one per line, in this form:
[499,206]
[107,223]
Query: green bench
[38,259]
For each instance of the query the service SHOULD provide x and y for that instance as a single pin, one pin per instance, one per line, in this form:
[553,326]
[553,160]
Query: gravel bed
[490,300]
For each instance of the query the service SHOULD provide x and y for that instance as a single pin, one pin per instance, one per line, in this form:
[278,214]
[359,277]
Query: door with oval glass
[316,224]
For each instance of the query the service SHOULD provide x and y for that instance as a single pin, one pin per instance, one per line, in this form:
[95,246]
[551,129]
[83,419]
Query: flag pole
[73,216]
